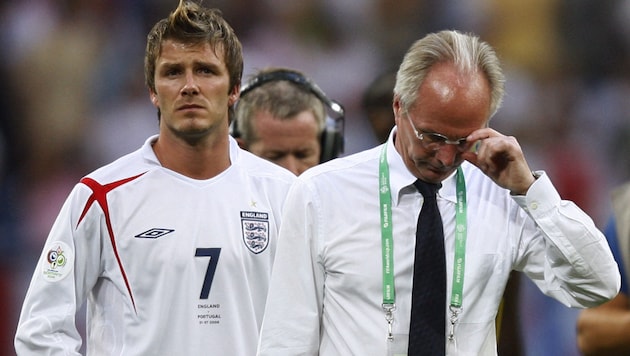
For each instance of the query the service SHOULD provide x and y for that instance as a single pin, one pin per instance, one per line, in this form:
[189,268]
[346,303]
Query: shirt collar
[149,153]
[401,180]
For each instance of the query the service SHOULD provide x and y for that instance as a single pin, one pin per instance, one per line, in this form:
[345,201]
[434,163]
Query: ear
[154,98]
[234,95]
[241,143]
[397,106]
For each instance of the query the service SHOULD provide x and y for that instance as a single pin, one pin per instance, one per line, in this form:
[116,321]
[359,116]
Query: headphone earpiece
[332,137]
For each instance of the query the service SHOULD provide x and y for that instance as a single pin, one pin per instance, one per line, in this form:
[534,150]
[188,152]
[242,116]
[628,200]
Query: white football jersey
[169,265]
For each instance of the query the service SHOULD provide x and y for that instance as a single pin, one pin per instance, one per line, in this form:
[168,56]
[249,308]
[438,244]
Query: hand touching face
[451,104]
[501,158]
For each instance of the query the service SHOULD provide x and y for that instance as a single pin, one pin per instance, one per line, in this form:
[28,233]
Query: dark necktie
[428,301]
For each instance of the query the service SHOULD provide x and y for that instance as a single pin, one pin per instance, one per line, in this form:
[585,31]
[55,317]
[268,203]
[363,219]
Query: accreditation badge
[398,346]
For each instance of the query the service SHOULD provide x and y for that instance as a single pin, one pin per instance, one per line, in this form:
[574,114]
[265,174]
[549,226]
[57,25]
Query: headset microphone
[332,137]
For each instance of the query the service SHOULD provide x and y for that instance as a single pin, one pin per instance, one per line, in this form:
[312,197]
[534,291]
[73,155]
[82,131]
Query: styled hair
[192,23]
[281,98]
[466,51]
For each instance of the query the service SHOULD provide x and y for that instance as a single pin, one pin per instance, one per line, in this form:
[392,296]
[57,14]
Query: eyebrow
[442,136]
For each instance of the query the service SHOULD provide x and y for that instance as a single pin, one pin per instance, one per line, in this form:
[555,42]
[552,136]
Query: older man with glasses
[406,248]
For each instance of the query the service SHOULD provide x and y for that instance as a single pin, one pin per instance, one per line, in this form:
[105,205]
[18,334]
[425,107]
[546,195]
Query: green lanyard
[389,293]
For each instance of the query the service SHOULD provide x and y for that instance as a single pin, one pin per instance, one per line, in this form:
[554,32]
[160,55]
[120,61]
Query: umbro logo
[154,233]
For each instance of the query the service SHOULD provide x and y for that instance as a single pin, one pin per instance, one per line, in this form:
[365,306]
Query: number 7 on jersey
[213,253]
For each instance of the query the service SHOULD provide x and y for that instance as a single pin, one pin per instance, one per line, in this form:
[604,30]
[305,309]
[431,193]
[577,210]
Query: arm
[604,330]
[291,324]
[562,250]
[47,321]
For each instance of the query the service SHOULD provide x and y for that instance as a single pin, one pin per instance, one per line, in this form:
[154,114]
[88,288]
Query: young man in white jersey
[347,270]
[172,245]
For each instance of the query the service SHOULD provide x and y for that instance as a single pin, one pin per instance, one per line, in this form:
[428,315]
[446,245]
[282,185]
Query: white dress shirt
[326,287]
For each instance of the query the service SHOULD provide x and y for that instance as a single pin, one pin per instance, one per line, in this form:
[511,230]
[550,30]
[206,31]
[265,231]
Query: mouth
[189,107]
[431,170]
[426,165]
[435,171]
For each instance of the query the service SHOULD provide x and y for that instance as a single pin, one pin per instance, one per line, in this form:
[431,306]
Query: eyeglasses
[435,141]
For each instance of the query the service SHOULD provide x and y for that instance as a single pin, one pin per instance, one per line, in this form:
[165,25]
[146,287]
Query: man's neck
[201,159]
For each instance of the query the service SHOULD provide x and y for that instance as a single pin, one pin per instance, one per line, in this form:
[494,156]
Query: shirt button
[533,205]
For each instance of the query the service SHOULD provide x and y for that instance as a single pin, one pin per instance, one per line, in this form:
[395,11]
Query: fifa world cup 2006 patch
[57,262]
[255,228]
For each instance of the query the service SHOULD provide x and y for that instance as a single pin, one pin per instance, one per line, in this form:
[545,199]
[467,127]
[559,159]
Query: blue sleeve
[611,236]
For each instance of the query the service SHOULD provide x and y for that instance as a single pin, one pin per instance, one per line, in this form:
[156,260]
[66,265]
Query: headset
[332,137]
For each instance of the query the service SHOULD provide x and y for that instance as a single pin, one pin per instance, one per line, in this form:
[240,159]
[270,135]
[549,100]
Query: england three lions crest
[255,227]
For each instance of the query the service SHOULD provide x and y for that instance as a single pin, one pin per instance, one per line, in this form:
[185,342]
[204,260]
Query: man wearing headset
[282,116]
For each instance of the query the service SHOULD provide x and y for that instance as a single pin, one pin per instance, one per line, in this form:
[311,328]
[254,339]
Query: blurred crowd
[73,98]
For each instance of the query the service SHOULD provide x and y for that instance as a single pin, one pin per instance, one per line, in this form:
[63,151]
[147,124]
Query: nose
[190,87]
[293,164]
[447,155]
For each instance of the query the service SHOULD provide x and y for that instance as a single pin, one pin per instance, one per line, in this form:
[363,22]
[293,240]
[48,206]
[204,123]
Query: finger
[482,134]
[482,157]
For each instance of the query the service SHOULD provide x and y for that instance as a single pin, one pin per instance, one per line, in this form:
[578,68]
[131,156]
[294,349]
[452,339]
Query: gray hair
[283,99]
[466,51]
